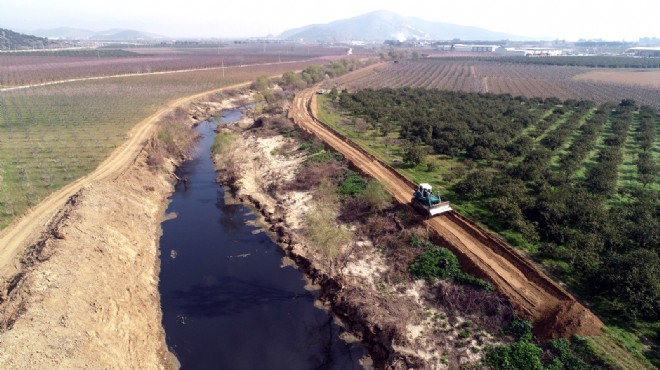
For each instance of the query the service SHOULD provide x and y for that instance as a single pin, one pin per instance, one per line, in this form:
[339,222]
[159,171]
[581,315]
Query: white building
[646,51]
[468,48]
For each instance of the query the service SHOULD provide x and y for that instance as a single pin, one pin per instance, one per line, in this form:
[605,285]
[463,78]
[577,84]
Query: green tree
[262,83]
[414,154]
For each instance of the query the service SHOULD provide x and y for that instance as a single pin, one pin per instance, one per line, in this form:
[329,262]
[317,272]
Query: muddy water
[227,301]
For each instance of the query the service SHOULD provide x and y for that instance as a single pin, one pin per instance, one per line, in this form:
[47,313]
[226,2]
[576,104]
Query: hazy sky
[563,19]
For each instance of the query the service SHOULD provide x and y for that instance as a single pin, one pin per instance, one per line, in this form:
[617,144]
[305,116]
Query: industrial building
[649,52]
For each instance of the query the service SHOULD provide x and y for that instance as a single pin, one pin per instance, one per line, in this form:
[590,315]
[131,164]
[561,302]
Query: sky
[556,19]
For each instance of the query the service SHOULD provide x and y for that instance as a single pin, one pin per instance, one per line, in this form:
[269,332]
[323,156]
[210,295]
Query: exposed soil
[79,272]
[639,77]
[553,310]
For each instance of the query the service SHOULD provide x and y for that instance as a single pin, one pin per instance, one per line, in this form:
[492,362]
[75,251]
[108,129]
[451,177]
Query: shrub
[353,184]
[223,142]
[468,279]
[375,196]
[435,263]
[521,355]
[520,329]
[311,174]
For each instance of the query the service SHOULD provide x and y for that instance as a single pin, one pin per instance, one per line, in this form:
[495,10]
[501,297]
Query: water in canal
[227,301]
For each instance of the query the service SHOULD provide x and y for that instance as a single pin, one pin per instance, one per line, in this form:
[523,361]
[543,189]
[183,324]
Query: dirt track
[553,310]
[27,229]
[79,273]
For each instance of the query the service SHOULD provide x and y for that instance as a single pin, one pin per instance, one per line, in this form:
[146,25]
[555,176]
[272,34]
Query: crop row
[532,81]
[51,135]
[18,70]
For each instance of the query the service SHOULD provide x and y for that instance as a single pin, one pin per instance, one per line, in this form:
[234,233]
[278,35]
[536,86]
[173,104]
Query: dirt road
[554,311]
[93,78]
[26,230]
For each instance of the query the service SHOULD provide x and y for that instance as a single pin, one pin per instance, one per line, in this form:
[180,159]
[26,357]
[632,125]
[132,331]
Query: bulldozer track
[553,310]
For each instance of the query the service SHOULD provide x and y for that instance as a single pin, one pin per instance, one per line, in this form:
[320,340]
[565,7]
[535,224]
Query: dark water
[227,302]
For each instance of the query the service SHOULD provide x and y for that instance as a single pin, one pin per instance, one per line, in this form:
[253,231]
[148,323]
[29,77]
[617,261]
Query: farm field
[575,184]
[529,80]
[52,135]
[637,77]
[28,68]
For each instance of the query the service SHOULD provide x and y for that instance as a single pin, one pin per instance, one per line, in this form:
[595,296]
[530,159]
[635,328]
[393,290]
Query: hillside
[10,40]
[385,25]
[116,34]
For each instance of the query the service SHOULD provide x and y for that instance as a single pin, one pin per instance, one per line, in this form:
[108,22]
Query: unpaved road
[554,311]
[26,230]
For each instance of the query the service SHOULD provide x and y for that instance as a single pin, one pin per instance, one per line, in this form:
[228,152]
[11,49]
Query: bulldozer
[425,202]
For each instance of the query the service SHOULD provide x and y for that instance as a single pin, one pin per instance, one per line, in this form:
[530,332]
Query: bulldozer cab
[425,190]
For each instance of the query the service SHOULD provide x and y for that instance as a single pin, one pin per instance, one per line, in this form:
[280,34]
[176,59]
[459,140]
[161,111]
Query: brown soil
[638,77]
[79,272]
[554,311]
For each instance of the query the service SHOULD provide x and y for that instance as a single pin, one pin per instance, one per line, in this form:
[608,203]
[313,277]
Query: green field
[52,135]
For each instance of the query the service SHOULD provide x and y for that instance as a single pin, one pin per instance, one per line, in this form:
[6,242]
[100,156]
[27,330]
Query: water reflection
[230,296]
[227,303]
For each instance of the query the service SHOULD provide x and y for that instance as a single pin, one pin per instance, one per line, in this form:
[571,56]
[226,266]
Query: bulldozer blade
[440,208]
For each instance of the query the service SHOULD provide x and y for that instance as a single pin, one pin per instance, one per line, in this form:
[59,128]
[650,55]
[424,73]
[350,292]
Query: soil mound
[570,318]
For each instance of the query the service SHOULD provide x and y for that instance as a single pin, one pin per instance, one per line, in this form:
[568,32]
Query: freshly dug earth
[554,312]
[80,289]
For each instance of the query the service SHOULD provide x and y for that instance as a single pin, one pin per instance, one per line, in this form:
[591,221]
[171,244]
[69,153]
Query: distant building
[469,48]
[649,52]
[511,52]
[529,52]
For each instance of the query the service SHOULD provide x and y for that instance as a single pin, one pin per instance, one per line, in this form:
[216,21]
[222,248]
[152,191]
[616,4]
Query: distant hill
[384,25]
[10,40]
[66,33]
[116,34]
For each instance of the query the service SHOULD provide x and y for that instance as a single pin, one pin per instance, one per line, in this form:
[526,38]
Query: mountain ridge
[71,33]
[383,25]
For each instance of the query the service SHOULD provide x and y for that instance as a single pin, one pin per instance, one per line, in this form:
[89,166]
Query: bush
[353,184]
[375,196]
[520,329]
[468,279]
[562,348]
[435,263]
[223,142]
[521,355]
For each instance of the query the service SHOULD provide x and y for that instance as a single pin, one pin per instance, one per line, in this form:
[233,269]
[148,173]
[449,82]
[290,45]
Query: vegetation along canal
[227,301]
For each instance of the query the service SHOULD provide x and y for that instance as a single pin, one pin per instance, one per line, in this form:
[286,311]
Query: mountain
[116,34]
[10,40]
[66,33]
[122,34]
[384,25]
